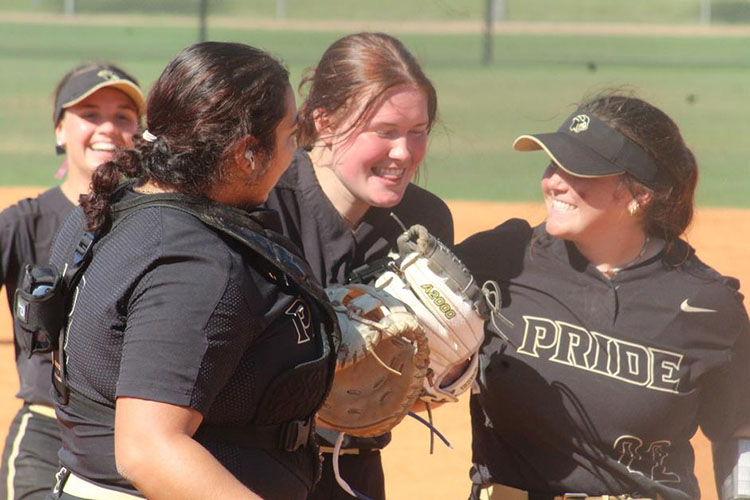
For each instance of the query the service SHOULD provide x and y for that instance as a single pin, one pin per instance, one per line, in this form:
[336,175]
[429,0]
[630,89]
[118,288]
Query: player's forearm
[732,464]
[177,467]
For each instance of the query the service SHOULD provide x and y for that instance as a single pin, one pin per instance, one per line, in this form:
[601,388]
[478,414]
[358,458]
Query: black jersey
[171,311]
[27,230]
[609,378]
[333,249]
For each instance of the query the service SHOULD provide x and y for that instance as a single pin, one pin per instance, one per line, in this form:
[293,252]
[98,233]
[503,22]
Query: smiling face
[582,210]
[376,161]
[92,129]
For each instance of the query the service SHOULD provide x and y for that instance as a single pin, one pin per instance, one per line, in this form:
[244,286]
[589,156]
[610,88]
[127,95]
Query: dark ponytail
[106,177]
[208,98]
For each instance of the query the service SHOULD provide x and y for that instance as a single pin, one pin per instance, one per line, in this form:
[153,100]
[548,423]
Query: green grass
[638,11]
[532,85]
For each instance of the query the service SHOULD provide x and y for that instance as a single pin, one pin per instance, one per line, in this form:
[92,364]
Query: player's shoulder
[294,177]
[417,197]
[173,226]
[705,286]
[44,212]
[510,232]
[496,253]
[32,206]
[420,206]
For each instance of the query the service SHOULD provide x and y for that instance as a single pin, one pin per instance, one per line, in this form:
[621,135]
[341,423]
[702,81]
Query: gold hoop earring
[633,208]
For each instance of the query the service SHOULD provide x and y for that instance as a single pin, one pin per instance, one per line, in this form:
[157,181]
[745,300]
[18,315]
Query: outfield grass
[632,11]
[533,84]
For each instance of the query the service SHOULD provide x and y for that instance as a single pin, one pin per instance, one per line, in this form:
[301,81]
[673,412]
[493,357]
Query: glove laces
[344,485]
[491,292]
[433,430]
[340,440]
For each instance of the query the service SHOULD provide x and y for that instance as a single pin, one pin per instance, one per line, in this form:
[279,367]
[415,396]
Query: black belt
[516,493]
[350,451]
[286,436]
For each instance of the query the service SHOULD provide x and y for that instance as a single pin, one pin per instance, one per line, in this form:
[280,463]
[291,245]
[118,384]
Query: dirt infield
[410,471]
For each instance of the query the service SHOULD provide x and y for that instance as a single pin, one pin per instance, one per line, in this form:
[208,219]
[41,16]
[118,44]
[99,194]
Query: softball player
[97,109]
[195,360]
[364,124]
[624,342]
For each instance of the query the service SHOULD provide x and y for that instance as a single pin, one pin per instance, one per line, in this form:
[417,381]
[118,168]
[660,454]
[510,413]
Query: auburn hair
[353,75]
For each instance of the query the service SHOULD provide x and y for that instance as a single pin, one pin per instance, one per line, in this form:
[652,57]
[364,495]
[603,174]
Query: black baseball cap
[82,85]
[585,146]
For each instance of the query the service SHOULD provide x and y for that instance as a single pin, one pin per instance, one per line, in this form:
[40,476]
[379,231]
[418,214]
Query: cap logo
[106,74]
[580,123]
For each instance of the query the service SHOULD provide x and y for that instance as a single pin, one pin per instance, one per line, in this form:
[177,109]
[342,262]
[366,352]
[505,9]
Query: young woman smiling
[363,131]
[194,359]
[98,108]
[623,340]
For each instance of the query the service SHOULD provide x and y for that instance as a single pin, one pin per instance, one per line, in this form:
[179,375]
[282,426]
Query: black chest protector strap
[239,225]
[287,436]
[70,277]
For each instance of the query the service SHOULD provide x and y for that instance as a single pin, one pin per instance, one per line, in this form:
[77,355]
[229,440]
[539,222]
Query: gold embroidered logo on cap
[106,74]
[579,123]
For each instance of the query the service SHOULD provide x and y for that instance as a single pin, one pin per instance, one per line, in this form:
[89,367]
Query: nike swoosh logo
[690,309]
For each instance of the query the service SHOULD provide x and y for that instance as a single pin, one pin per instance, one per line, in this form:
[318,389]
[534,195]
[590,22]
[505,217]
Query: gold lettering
[442,304]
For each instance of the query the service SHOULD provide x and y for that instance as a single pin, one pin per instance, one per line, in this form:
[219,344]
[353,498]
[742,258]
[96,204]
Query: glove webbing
[373,324]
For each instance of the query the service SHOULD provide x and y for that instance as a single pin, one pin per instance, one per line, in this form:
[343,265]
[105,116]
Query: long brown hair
[354,73]
[209,97]
[670,210]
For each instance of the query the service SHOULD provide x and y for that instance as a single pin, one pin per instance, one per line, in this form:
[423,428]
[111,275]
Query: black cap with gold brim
[585,146]
[82,85]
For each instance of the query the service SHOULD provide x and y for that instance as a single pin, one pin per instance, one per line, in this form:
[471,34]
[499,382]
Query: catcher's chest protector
[314,378]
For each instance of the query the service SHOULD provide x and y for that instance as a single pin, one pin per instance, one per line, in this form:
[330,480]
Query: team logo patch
[645,458]
[60,478]
[686,307]
[301,318]
[580,123]
[106,74]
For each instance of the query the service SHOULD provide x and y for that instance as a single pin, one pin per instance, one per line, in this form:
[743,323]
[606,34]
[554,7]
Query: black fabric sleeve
[176,342]
[725,402]
[496,254]
[432,212]
[9,222]
[443,225]
[285,202]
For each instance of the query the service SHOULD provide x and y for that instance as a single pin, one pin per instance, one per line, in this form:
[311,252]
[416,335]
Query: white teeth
[389,171]
[103,146]
[561,205]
